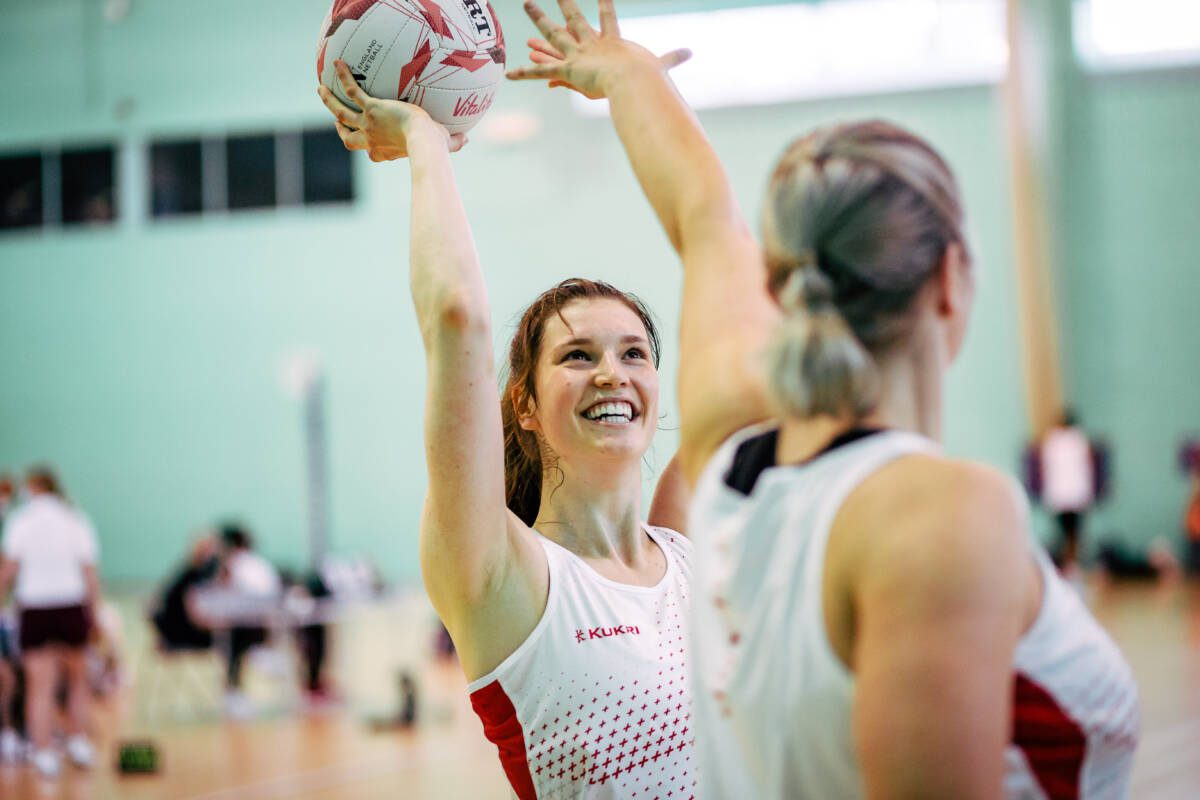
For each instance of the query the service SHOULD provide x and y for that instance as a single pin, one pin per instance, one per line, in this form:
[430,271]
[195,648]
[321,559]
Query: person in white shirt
[1069,482]
[871,618]
[50,551]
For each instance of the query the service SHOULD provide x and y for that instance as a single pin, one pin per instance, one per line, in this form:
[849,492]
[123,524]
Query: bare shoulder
[942,493]
[941,523]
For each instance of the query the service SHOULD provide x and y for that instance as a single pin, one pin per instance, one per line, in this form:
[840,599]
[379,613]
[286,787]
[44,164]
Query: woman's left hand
[384,128]
[579,57]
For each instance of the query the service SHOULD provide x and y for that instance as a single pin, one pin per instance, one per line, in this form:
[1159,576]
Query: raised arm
[727,316]
[468,539]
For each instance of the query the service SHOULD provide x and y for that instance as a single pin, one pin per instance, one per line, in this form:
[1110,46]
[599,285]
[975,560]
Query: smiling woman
[567,610]
[570,330]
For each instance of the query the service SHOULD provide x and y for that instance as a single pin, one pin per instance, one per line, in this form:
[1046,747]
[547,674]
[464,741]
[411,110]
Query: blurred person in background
[8,491]
[1191,523]
[10,742]
[245,573]
[178,627]
[11,745]
[50,551]
[1070,475]
[306,600]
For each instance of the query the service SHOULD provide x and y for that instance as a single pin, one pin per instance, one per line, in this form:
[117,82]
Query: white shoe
[47,763]
[11,746]
[237,705]
[80,751]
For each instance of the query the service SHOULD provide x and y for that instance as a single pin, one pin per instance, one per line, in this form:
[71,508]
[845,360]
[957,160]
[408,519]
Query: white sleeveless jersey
[773,702]
[594,703]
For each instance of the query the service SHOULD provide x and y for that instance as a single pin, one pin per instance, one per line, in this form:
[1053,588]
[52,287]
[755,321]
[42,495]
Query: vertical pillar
[318,483]
[1041,78]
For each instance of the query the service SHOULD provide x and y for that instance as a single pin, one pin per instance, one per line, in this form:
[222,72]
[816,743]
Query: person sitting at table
[247,573]
[177,626]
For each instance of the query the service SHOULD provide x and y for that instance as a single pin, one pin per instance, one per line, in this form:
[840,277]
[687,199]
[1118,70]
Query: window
[328,173]
[779,53]
[250,171]
[1117,34]
[176,178]
[20,191]
[87,186]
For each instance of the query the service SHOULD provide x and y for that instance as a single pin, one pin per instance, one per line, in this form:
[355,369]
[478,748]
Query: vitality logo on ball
[473,106]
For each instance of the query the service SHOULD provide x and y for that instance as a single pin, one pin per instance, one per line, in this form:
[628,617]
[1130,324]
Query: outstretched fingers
[675,58]
[577,24]
[556,34]
[608,19]
[544,47]
[535,72]
[541,58]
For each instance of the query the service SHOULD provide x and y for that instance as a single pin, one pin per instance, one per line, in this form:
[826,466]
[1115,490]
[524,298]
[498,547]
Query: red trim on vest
[1053,743]
[503,729]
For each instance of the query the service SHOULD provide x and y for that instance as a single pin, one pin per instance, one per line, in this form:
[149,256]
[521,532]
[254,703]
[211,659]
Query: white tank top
[772,700]
[594,703]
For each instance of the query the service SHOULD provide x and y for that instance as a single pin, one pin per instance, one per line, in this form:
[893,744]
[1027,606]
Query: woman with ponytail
[871,617]
[566,609]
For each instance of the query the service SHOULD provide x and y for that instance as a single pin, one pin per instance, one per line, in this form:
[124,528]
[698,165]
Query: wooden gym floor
[282,754]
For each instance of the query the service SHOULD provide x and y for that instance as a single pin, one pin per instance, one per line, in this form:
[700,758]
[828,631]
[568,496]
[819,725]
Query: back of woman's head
[857,220]
[523,452]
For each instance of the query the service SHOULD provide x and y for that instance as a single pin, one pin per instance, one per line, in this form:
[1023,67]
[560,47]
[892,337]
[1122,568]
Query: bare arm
[464,525]
[467,536]
[91,582]
[8,573]
[669,507]
[940,605]
[727,316]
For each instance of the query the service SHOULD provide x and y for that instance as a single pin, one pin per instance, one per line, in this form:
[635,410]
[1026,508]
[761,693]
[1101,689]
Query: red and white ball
[447,56]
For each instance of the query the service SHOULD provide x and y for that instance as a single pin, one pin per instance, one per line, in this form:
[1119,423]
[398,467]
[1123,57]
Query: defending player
[871,617]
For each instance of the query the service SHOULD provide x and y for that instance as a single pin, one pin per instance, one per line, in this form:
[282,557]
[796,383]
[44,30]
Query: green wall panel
[144,359]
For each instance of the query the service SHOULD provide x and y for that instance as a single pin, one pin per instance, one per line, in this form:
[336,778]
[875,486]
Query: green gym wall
[142,359]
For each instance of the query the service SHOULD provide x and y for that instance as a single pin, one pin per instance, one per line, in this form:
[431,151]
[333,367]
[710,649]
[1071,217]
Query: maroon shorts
[67,626]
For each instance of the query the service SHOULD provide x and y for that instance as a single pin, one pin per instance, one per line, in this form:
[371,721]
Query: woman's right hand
[384,128]
[580,57]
